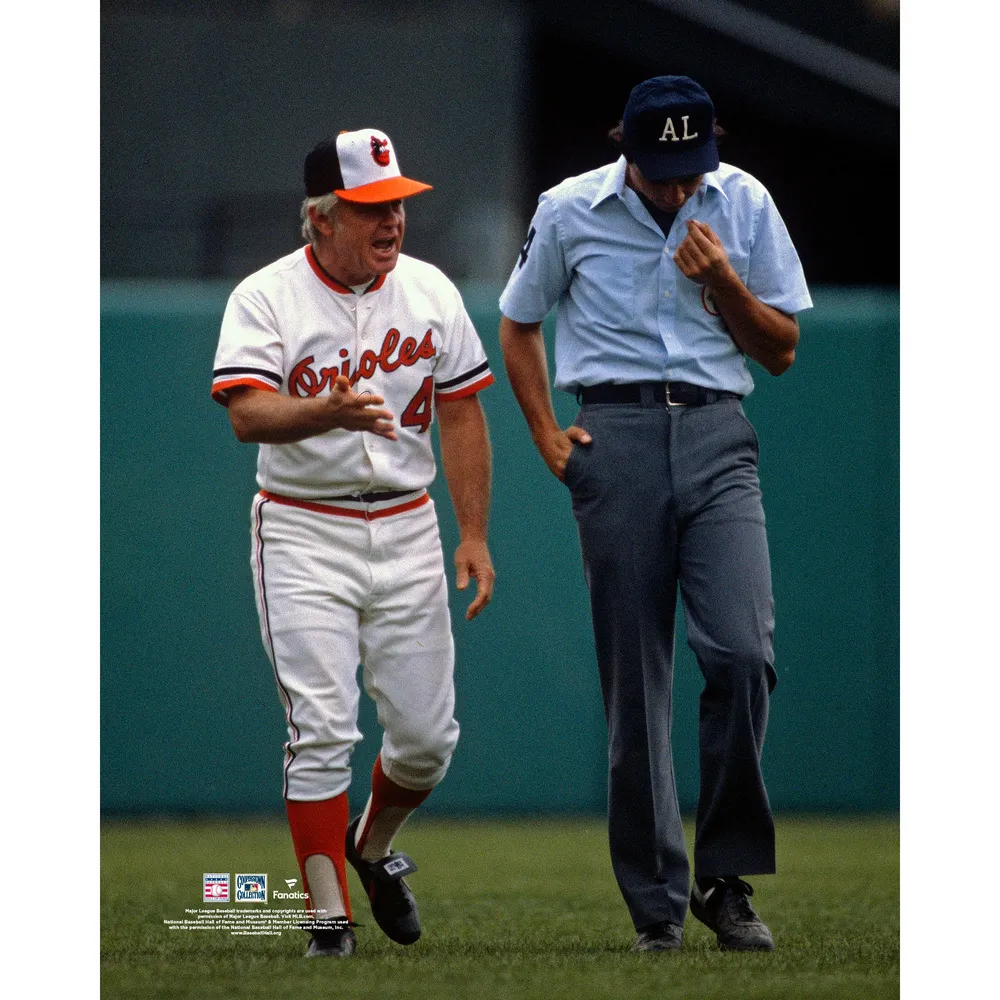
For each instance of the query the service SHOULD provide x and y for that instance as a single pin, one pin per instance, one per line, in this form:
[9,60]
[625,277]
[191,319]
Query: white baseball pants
[364,585]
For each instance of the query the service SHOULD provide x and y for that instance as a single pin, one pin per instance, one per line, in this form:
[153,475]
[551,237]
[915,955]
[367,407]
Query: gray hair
[324,205]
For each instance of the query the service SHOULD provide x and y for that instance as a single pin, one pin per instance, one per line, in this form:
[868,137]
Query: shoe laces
[739,892]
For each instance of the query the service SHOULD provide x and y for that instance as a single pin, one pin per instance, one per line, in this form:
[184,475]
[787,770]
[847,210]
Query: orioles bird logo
[380,151]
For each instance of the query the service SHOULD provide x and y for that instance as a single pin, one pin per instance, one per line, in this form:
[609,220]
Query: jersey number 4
[524,250]
[419,411]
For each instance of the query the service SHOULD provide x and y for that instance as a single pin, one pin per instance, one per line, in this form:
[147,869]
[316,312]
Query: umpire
[668,269]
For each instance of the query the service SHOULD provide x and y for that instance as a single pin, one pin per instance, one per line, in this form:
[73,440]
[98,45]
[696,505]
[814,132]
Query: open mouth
[384,246]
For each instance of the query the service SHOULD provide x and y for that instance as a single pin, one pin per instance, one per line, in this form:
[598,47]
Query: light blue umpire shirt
[625,311]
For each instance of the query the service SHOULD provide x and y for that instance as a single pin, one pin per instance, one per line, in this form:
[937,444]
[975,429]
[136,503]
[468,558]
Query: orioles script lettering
[304,381]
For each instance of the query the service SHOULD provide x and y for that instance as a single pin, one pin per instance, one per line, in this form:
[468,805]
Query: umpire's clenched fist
[702,257]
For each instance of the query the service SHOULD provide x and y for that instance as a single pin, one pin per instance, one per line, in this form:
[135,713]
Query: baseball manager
[336,360]
[668,270]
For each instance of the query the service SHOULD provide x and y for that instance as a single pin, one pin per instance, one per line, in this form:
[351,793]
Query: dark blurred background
[208,110]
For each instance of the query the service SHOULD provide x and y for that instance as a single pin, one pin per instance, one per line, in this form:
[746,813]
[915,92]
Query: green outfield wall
[190,716]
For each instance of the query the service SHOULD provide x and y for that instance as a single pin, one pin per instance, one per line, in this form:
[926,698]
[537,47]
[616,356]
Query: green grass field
[510,909]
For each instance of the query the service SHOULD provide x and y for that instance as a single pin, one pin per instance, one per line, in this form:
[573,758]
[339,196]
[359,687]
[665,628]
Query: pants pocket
[752,433]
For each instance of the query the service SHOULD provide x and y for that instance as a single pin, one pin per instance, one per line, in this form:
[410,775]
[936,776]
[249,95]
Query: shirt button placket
[668,298]
[368,442]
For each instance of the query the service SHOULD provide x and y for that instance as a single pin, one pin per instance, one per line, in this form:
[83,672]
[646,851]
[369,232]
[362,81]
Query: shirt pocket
[737,247]
[606,287]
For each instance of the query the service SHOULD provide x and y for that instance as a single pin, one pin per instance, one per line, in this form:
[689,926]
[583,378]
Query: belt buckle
[670,402]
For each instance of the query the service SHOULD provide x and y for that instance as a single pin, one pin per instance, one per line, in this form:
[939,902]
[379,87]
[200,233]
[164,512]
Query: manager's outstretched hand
[353,411]
[272,418]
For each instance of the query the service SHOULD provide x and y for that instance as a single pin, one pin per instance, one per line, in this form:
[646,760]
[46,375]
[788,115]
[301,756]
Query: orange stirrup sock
[388,807]
[319,828]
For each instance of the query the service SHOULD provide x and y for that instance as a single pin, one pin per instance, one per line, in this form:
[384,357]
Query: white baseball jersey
[291,328]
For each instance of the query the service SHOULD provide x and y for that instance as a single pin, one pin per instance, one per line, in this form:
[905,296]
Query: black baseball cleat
[663,936]
[392,902]
[331,938]
[723,904]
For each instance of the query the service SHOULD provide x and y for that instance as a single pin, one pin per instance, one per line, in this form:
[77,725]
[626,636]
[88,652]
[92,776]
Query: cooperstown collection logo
[304,381]
[251,888]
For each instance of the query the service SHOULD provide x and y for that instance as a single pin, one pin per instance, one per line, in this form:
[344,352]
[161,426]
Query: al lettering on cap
[668,128]
[358,166]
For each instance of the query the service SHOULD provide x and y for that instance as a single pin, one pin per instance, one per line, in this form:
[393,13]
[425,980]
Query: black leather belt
[375,497]
[664,393]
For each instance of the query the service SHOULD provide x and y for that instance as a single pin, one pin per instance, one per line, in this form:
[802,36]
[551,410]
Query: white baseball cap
[358,166]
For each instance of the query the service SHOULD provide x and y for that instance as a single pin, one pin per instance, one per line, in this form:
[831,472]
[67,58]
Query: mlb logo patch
[215,888]
[251,888]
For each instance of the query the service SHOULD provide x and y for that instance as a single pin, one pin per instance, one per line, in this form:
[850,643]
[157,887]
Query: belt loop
[647,397]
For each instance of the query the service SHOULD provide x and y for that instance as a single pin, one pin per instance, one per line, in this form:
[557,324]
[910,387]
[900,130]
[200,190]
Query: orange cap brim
[390,189]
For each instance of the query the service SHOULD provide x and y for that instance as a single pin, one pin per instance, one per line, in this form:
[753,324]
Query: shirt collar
[331,282]
[614,183]
[712,180]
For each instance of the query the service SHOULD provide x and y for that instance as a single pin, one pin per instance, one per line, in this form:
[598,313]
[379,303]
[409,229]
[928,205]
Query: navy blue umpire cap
[668,128]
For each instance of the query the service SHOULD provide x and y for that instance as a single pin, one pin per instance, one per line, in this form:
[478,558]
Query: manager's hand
[355,411]
[472,561]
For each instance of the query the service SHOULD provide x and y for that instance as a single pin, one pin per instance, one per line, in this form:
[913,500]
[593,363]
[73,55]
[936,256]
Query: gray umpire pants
[668,496]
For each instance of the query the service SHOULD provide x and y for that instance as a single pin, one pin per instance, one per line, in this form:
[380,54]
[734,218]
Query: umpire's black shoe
[393,905]
[331,939]
[723,904]
[664,936]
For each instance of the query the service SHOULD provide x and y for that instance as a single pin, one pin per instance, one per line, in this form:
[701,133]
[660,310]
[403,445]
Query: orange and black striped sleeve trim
[224,379]
[465,385]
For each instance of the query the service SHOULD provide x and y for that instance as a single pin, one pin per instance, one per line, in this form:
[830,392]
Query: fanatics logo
[291,883]
[251,888]
[290,895]
[215,888]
